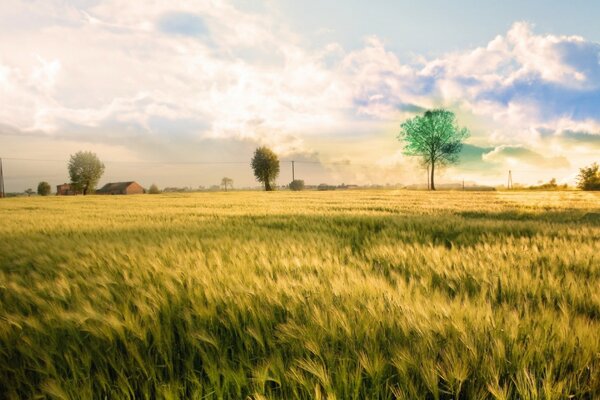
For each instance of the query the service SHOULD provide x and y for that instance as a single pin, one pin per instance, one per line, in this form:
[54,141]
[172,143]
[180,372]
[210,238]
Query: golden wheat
[337,295]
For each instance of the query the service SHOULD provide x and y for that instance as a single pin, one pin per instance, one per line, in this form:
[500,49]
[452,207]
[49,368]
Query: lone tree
[589,177]
[85,170]
[266,166]
[435,137]
[227,182]
[43,189]
[29,192]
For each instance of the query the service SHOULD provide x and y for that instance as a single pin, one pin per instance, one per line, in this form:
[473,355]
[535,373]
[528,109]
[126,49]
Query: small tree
[266,166]
[297,185]
[85,170]
[227,182]
[43,189]
[29,192]
[589,177]
[435,137]
[154,189]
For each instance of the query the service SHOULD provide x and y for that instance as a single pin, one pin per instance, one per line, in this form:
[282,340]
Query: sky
[181,92]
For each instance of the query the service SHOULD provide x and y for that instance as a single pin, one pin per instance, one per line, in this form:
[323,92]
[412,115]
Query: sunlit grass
[345,295]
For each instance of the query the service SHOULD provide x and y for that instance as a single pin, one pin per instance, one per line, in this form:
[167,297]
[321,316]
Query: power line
[134,162]
[292,162]
[340,163]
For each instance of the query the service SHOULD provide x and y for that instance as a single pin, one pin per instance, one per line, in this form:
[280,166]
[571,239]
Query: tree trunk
[85,189]
[432,171]
[268,187]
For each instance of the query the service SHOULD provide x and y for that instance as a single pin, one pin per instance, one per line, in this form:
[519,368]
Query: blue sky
[148,86]
[430,27]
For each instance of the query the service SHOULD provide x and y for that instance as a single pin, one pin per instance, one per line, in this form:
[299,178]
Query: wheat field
[307,295]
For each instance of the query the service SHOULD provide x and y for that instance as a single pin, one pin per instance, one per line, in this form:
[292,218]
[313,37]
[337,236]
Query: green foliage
[265,164]
[44,189]
[589,177]
[29,192]
[435,137]
[297,185]
[154,189]
[341,294]
[85,170]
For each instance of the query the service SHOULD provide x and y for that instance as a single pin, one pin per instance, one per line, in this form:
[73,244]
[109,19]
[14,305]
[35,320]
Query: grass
[330,295]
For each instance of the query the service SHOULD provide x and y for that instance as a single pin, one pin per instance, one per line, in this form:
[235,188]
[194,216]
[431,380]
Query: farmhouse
[65,190]
[121,188]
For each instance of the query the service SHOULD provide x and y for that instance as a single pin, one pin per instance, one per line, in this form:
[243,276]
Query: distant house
[65,190]
[121,188]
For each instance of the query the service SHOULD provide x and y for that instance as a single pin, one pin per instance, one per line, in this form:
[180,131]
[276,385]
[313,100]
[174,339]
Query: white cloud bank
[165,78]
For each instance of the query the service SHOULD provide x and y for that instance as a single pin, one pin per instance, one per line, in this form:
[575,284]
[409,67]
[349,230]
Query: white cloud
[43,77]
[113,73]
[515,156]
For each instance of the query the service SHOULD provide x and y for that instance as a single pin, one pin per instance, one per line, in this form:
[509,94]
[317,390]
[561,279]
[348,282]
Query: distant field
[333,295]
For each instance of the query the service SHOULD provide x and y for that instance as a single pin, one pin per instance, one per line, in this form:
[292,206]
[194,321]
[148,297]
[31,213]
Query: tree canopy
[43,189]
[265,164]
[589,177]
[435,137]
[85,170]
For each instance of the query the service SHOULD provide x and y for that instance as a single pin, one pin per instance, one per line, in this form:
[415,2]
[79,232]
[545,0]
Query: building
[65,190]
[121,188]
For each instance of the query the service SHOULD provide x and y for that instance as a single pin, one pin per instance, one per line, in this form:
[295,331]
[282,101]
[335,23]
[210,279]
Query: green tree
[266,166]
[29,192]
[154,189]
[227,182]
[43,189]
[297,185]
[589,177]
[85,170]
[435,137]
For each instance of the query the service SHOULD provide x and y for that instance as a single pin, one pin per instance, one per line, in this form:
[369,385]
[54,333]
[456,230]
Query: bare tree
[227,182]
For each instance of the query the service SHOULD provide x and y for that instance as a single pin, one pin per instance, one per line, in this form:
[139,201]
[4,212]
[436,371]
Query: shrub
[154,189]
[297,185]
[324,186]
[551,185]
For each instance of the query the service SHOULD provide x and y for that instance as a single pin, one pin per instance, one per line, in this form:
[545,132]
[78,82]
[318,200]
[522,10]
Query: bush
[589,178]
[43,189]
[552,185]
[297,185]
[154,189]
[324,186]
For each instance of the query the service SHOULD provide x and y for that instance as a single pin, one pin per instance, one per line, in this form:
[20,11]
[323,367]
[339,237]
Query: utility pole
[510,183]
[2,194]
[293,174]
[463,184]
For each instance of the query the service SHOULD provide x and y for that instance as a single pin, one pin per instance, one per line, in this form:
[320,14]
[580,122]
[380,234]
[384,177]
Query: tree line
[434,137]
